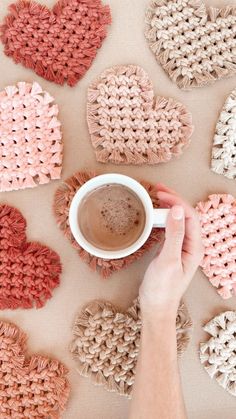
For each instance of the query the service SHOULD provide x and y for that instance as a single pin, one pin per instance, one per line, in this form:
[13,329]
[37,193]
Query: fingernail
[177,212]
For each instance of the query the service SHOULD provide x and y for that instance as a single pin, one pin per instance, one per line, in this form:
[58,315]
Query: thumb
[175,230]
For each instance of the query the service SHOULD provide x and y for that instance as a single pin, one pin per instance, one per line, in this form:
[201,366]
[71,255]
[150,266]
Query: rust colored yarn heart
[31,387]
[106,343]
[128,125]
[59,44]
[194,44]
[28,271]
[62,201]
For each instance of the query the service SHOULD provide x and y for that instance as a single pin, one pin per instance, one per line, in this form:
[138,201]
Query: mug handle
[160,217]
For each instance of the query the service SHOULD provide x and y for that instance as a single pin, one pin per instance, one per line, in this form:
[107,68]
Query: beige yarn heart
[128,125]
[194,44]
[224,146]
[106,343]
[218,354]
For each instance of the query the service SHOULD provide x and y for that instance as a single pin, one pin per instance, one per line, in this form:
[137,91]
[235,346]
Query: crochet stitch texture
[31,387]
[28,271]
[62,201]
[106,343]
[217,355]
[218,223]
[128,125]
[59,44]
[224,146]
[30,137]
[194,44]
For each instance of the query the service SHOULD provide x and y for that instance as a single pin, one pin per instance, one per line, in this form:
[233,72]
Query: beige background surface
[49,329]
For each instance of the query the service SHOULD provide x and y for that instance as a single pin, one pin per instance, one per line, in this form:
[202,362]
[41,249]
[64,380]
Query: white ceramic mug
[154,217]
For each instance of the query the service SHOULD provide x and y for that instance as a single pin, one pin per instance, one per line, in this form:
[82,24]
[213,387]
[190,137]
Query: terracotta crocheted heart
[31,387]
[30,137]
[62,201]
[28,271]
[194,44]
[59,44]
[224,146]
[129,125]
[106,343]
[218,224]
[218,354]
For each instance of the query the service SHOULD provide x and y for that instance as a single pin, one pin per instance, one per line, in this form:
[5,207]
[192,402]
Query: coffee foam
[112,217]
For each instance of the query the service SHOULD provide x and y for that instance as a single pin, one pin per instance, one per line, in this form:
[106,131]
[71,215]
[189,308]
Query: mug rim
[96,182]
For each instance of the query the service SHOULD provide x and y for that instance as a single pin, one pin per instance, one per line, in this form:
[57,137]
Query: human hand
[172,270]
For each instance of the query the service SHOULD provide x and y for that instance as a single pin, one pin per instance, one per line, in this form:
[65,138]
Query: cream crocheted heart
[129,125]
[218,223]
[106,343]
[194,44]
[218,354]
[224,146]
[30,137]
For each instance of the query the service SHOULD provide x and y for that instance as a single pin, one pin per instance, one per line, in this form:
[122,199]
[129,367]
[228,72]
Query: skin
[157,391]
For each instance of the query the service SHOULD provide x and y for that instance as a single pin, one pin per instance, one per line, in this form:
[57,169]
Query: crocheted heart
[28,271]
[30,137]
[31,387]
[194,44]
[218,223]
[106,343]
[129,125]
[62,201]
[218,354]
[59,44]
[224,146]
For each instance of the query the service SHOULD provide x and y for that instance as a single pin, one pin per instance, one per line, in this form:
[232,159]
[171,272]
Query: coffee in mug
[111,217]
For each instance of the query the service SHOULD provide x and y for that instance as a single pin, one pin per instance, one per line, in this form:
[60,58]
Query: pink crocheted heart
[218,223]
[31,387]
[28,271]
[59,44]
[30,137]
[129,125]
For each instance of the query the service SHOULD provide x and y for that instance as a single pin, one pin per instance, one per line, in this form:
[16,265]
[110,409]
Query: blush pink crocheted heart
[59,44]
[218,223]
[129,125]
[62,201]
[31,387]
[30,137]
[28,271]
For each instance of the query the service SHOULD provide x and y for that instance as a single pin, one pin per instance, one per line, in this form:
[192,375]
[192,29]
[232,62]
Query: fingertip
[177,212]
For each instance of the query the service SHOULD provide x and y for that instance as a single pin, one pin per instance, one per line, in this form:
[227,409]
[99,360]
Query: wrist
[158,313]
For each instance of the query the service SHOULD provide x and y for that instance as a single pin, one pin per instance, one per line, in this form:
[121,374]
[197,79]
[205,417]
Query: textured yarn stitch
[62,201]
[224,146]
[30,137]
[218,224]
[31,387]
[28,271]
[106,343]
[59,44]
[128,125]
[194,44]
[218,354]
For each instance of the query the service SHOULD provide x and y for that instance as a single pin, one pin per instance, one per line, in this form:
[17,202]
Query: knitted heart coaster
[106,343]
[224,146]
[30,137]
[59,44]
[28,271]
[218,354]
[31,387]
[218,224]
[195,45]
[129,125]
[62,201]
